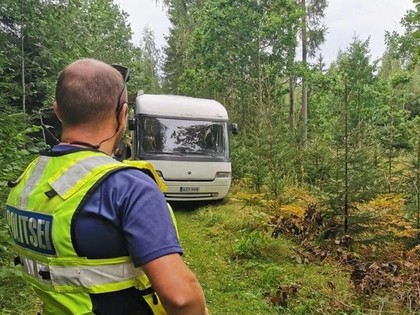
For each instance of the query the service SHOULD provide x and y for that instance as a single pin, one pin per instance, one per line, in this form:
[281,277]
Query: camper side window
[151,132]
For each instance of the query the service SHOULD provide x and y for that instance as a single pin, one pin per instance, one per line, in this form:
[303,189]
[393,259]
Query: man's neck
[89,140]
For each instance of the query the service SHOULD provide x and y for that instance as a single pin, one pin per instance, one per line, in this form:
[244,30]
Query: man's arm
[176,285]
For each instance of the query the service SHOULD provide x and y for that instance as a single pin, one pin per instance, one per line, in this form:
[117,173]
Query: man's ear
[126,110]
[123,113]
[122,117]
[57,111]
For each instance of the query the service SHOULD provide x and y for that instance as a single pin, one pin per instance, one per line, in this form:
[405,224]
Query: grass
[16,296]
[240,267]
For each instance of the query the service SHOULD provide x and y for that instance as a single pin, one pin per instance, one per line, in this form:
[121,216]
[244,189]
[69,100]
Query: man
[90,231]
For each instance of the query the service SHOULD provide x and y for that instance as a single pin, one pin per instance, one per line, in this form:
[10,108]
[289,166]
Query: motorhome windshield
[180,137]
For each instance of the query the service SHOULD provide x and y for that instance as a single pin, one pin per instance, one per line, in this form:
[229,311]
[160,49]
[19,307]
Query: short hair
[87,90]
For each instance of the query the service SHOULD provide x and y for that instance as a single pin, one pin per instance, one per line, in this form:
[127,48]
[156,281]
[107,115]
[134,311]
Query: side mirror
[233,127]
[132,123]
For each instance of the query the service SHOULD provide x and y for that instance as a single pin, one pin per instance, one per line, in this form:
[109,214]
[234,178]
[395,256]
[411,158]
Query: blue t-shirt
[126,214]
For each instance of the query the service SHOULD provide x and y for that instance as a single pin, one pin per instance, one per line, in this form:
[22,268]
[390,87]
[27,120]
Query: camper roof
[180,106]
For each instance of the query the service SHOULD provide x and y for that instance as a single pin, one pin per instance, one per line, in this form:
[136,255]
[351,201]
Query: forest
[347,134]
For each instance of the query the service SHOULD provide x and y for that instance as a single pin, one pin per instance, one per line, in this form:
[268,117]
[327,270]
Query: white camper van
[186,140]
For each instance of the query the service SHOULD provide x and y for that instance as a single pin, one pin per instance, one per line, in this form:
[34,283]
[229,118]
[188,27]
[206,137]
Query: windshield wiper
[165,153]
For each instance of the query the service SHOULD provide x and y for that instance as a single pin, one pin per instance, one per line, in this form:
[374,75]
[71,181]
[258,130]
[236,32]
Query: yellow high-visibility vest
[39,211]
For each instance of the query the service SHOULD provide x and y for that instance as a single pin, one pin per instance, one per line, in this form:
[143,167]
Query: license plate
[189,189]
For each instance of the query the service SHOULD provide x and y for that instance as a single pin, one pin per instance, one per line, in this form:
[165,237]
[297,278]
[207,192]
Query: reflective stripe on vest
[79,276]
[36,174]
[76,172]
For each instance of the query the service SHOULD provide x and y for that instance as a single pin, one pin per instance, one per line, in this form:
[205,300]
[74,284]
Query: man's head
[88,92]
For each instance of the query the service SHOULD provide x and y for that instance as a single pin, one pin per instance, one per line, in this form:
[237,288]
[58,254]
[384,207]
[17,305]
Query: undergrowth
[17,297]
[242,268]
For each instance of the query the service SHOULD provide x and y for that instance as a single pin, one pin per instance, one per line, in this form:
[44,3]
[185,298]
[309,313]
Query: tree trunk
[346,157]
[22,43]
[304,87]
[292,105]
[417,188]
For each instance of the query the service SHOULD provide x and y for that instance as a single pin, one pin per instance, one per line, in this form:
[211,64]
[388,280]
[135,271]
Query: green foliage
[241,268]
[411,175]
[18,145]
[242,53]
[150,63]
[316,29]
[249,246]
[229,41]
[237,54]
[56,33]
[407,45]
[52,34]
